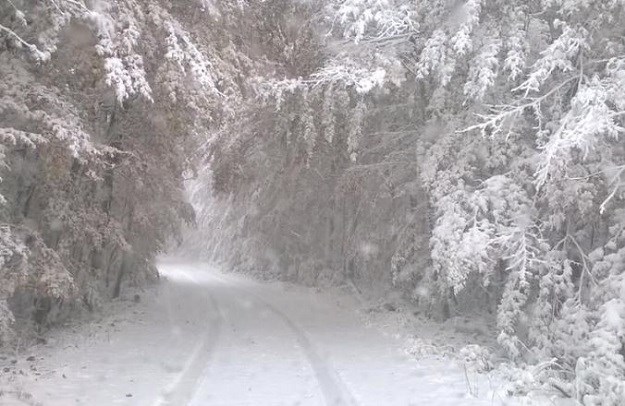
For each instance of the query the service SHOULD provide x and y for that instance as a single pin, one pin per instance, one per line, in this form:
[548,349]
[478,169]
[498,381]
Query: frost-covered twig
[604,204]
[502,113]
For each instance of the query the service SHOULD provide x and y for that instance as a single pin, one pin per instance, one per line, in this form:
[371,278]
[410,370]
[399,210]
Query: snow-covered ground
[203,337]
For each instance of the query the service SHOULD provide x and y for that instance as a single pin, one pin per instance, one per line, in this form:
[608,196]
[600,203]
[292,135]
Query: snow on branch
[502,118]
[559,56]
[373,19]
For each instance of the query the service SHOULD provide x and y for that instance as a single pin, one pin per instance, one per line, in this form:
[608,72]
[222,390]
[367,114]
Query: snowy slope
[207,338]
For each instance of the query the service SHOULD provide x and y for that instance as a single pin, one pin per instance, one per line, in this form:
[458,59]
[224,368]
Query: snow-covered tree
[102,106]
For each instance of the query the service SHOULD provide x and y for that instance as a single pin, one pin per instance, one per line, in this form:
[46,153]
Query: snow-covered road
[209,338]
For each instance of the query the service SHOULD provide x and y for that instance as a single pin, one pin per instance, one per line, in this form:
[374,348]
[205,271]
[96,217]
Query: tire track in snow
[333,389]
[181,389]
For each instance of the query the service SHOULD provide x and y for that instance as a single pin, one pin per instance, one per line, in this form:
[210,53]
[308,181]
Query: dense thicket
[468,153]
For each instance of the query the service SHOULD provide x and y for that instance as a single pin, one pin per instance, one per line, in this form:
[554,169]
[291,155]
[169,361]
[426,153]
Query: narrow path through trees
[210,339]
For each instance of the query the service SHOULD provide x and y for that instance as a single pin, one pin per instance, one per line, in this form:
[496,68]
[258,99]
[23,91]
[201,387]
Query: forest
[467,155]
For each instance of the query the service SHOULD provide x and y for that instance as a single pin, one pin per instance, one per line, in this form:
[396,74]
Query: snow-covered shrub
[420,348]
[477,357]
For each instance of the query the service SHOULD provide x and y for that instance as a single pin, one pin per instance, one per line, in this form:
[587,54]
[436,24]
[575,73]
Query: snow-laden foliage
[549,93]
[373,19]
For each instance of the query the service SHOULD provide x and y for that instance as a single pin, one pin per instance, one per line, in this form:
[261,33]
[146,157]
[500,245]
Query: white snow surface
[209,338]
